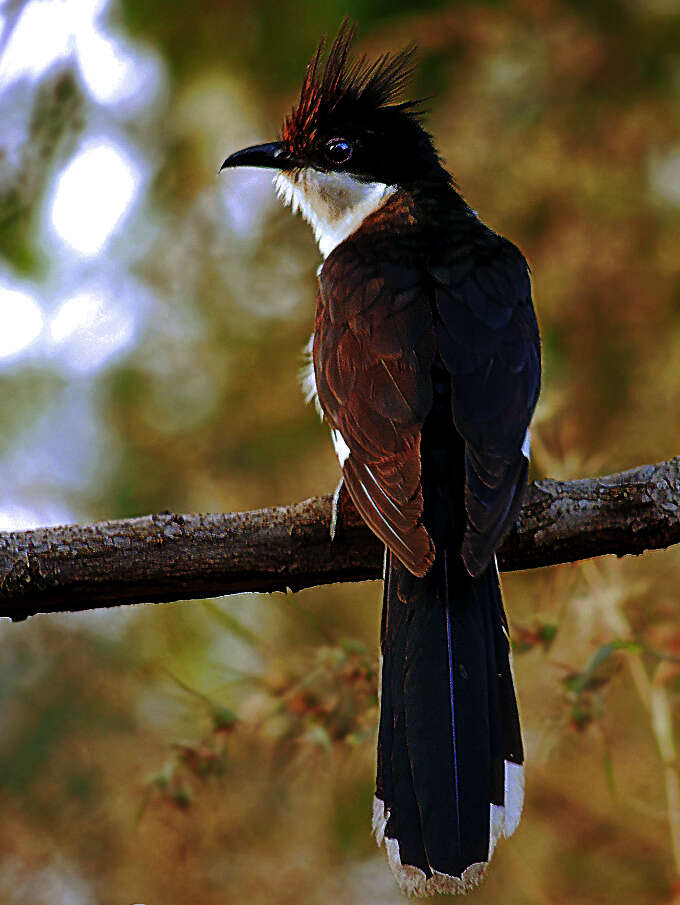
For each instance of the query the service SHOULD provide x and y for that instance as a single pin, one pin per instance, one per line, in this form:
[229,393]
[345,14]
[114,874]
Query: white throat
[334,204]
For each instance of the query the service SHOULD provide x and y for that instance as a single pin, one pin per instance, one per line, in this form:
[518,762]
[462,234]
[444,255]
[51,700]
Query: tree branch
[171,557]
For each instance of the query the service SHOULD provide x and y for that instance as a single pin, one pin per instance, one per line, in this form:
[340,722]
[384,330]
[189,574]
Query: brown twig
[172,557]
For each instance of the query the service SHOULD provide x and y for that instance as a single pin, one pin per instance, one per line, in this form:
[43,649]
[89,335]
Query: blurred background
[152,315]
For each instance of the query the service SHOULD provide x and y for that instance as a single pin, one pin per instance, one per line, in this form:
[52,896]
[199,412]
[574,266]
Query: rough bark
[171,557]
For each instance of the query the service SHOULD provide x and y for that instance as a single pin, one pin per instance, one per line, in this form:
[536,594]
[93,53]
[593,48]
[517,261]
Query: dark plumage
[434,401]
[342,88]
[426,361]
[359,99]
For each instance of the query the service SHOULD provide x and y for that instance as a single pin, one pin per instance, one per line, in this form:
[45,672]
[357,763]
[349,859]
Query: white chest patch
[334,204]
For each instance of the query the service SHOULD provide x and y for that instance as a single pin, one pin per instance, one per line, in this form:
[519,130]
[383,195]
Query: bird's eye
[338,150]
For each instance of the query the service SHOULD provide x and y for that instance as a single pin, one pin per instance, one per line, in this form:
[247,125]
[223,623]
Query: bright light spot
[21,320]
[115,73]
[38,39]
[21,517]
[664,174]
[52,30]
[90,328]
[45,33]
[93,194]
[104,67]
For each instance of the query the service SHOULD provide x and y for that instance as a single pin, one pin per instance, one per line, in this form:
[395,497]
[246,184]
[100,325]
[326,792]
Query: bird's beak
[274,156]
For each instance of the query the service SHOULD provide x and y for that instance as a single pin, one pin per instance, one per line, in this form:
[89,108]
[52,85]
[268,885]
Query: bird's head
[350,142]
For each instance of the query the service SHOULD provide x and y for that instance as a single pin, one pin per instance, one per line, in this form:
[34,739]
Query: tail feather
[450,778]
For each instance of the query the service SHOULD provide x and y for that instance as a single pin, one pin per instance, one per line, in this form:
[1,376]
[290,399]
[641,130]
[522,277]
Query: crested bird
[425,363]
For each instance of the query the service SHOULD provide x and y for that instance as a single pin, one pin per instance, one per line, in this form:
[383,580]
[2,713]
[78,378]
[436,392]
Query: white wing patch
[342,450]
[526,445]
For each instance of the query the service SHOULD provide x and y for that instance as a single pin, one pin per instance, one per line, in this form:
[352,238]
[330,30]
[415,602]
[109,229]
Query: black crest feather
[364,88]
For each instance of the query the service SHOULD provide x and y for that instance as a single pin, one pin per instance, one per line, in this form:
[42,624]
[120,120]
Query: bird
[426,365]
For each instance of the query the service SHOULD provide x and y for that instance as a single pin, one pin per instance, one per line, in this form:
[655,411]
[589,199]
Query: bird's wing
[487,339]
[382,321]
[374,346]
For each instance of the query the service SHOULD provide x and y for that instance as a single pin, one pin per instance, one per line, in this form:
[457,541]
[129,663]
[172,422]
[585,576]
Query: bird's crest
[340,84]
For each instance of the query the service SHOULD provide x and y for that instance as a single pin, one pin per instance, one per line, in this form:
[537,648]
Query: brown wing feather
[397,525]
[373,354]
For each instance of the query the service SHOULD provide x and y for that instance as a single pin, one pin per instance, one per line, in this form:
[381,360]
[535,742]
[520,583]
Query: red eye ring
[338,150]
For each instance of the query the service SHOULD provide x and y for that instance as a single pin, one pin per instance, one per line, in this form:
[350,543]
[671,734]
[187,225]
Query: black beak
[274,156]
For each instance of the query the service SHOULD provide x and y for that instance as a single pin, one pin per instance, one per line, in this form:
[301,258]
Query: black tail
[450,781]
